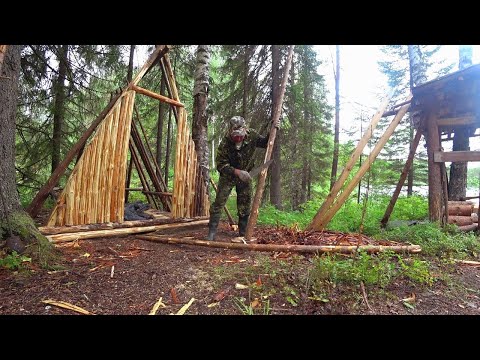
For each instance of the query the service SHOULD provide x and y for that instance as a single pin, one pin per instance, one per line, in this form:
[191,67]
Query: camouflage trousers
[225,186]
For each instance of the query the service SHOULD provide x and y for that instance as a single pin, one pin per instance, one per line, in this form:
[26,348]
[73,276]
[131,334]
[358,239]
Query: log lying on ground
[462,210]
[460,220]
[119,232]
[468,227]
[285,248]
[52,230]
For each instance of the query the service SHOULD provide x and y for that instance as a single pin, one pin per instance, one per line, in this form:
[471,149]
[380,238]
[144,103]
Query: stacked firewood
[463,214]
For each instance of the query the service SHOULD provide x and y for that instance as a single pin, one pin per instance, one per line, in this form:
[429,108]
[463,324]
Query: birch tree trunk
[16,227]
[199,123]
[457,187]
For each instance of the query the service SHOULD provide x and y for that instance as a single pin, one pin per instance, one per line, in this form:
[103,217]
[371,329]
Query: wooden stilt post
[434,169]
[252,220]
[403,177]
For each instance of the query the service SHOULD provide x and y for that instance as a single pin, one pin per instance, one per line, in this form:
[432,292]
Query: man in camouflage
[234,160]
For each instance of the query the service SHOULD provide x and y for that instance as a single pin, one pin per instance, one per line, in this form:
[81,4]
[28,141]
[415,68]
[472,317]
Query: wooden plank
[330,213]
[434,169]
[351,163]
[454,156]
[119,232]
[154,95]
[456,121]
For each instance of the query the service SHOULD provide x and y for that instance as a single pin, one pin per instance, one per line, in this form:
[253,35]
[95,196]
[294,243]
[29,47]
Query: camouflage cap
[237,122]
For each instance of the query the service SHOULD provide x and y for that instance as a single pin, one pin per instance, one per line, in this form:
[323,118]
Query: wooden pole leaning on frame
[328,214]
[252,220]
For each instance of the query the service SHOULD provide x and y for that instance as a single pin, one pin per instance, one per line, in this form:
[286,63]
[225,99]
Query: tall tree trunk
[162,110]
[130,63]
[457,187]
[199,123]
[16,227]
[293,131]
[59,107]
[275,176]
[417,77]
[337,119]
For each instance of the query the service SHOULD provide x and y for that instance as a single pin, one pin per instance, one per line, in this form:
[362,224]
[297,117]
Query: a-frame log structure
[96,190]
[439,108]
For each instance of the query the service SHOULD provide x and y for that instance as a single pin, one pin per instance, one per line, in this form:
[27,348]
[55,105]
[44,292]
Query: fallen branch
[119,232]
[68,306]
[286,248]
[468,262]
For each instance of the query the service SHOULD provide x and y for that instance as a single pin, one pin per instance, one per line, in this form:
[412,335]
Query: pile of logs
[463,214]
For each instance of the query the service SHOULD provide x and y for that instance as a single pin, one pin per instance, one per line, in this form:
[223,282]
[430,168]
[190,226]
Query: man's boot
[242,225]
[212,227]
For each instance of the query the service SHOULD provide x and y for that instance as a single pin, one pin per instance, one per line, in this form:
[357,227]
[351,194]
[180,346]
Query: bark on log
[49,230]
[285,248]
[474,217]
[460,220]
[454,202]
[468,227]
[463,210]
[118,232]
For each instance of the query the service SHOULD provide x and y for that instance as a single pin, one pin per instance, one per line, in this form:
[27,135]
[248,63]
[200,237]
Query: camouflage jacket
[229,158]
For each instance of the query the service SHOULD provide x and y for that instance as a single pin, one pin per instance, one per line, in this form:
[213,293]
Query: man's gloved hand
[243,175]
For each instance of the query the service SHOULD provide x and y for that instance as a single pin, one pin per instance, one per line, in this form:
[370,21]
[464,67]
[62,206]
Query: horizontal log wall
[95,191]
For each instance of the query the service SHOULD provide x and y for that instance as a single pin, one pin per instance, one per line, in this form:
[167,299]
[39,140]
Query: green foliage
[14,261]
[416,270]
[377,269]
[372,270]
[435,241]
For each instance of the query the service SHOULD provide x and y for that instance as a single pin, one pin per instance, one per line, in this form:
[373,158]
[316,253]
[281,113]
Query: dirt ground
[128,276]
